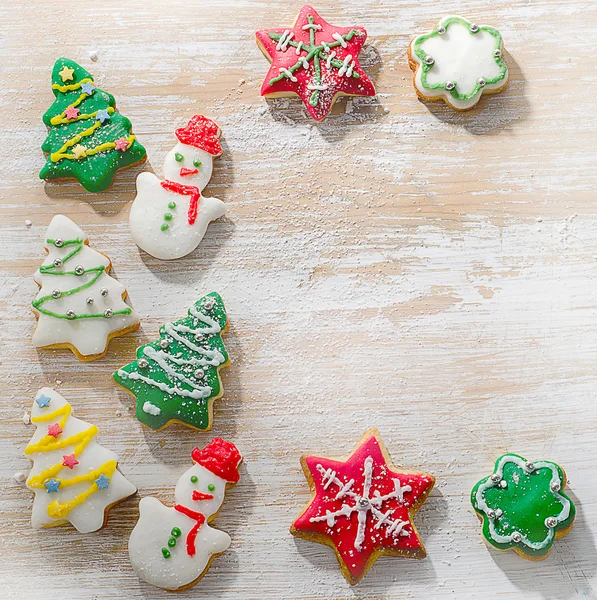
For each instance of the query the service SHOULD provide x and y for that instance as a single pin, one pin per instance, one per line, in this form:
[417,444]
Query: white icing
[152,531]
[328,62]
[304,62]
[89,336]
[299,47]
[460,57]
[90,515]
[151,409]
[340,39]
[321,86]
[313,26]
[555,481]
[288,74]
[373,503]
[346,68]
[151,203]
[284,39]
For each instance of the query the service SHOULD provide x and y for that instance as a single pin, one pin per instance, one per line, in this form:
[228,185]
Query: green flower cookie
[522,506]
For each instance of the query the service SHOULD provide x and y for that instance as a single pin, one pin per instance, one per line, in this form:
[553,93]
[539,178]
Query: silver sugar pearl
[481,81]
[163,344]
[530,466]
[498,513]
[551,522]
[474,28]
[503,484]
[89,300]
[450,85]
[104,291]
[497,52]
[108,313]
[199,373]
[58,262]
[143,364]
[198,337]
[79,270]
[429,60]
[491,514]
[441,30]
[208,304]
[496,478]
[516,537]
[555,487]
[55,293]
[70,314]
[363,502]
[58,243]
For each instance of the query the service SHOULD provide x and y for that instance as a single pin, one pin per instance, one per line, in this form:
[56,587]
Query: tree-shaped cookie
[169,217]
[172,548]
[88,139]
[79,306]
[73,477]
[522,506]
[176,378]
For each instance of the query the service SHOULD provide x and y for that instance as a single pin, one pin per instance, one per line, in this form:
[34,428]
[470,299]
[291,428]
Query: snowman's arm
[212,208]
[146,182]
[149,504]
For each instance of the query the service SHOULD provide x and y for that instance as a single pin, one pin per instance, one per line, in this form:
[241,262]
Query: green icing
[167,216]
[425,68]
[178,157]
[164,226]
[39,303]
[211,487]
[197,163]
[529,497]
[94,172]
[194,478]
[168,378]
[171,205]
[166,553]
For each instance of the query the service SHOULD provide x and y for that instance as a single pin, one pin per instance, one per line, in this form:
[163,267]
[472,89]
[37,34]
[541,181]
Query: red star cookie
[314,60]
[363,507]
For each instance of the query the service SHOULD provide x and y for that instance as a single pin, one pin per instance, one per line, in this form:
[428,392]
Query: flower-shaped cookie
[458,62]
[522,506]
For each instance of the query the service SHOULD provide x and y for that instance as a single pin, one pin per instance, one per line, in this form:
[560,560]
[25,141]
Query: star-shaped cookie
[363,507]
[314,60]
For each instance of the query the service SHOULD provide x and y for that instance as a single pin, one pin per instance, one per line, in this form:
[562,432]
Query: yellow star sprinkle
[66,73]
[79,151]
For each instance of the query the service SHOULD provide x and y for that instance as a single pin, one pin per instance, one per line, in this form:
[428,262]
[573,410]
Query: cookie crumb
[26,418]
[93,56]
[20,477]
[28,223]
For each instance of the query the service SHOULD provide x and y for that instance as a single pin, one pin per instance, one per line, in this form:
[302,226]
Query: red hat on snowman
[201,133]
[221,458]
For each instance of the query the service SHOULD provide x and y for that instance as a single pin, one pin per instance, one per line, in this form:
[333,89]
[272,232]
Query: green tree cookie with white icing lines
[522,506]
[176,378]
[88,139]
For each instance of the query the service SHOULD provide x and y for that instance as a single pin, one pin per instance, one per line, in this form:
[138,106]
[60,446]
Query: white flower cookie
[458,62]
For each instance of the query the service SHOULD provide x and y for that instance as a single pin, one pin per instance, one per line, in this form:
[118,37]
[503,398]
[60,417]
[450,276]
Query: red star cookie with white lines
[363,507]
[314,60]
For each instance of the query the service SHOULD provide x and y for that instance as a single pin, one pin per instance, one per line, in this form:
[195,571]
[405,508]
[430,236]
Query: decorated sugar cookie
[363,507]
[73,478]
[88,139]
[522,506]
[314,60]
[169,218]
[172,548]
[79,306]
[458,62]
[177,378]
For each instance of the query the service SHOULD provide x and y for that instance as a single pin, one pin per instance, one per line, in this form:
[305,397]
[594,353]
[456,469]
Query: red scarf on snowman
[204,134]
[222,459]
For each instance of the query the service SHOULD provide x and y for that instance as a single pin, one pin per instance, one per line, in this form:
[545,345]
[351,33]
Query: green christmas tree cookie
[177,377]
[88,139]
[522,506]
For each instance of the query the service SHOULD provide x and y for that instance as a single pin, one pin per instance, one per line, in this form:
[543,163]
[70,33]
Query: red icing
[197,496]
[192,535]
[221,458]
[336,83]
[54,430]
[185,190]
[343,532]
[186,172]
[201,133]
[69,461]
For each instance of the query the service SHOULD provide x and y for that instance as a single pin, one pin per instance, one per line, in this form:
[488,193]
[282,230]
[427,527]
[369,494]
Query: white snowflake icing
[367,502]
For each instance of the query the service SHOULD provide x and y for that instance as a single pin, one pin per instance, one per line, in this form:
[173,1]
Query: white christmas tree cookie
[73,478]
[458,62]
[169,218]
[172,548]
[79,306]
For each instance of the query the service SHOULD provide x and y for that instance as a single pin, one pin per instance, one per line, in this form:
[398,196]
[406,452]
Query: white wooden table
[400,266]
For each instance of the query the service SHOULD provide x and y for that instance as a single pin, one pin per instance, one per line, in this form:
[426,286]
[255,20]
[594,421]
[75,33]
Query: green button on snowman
[169,217]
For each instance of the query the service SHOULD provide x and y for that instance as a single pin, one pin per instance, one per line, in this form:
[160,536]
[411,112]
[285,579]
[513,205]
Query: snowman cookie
[172,548]
[458,62]
[169,217]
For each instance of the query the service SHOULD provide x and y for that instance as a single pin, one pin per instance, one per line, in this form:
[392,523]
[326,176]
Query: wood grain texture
[399,265]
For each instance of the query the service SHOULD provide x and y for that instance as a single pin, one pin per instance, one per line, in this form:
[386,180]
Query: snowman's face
[188,165]
[200,490]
